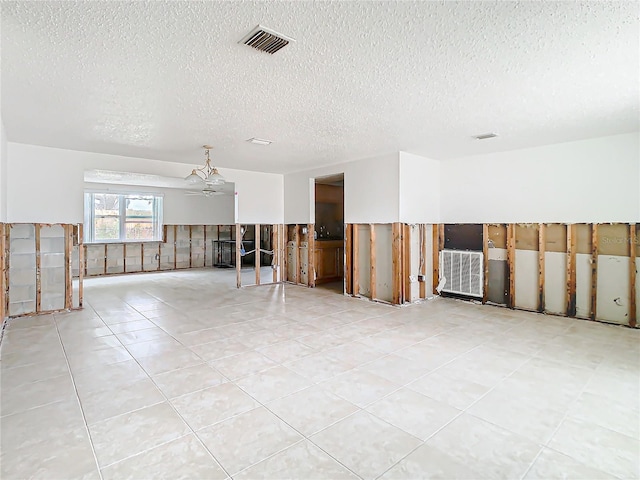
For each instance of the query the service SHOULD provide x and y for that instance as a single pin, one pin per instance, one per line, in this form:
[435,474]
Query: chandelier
[206,175]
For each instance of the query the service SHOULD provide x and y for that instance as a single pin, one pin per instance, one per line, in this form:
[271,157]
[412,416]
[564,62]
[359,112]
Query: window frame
[123,196]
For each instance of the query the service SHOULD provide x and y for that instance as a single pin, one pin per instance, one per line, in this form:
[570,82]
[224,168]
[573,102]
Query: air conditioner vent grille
[266,40]
[463,272]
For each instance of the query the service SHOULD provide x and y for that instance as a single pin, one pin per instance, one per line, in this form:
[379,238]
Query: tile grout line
[75,389]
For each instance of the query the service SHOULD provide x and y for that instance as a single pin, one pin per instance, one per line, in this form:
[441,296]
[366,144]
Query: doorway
[329,232]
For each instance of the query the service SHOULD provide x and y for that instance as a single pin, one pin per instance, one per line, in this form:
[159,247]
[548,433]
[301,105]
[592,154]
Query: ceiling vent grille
[266,40]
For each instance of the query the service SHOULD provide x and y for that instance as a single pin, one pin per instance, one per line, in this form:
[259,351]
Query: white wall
[370,191]
[3,173]
[419,189]
[55,194]
[595,180]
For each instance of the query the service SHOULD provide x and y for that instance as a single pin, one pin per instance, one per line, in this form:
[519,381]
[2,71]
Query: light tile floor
[180,375]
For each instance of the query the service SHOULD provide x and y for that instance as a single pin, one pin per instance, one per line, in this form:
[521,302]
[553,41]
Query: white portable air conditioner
[462,272]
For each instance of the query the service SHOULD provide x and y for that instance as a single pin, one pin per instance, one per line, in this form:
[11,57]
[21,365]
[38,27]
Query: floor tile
[286,351]
[102,404]
[165,362]
[413,412]
[273,383]
[365,444]
[31,395]
[598,448]
[183,458]
[120,437]
[484,447]
[456,392]
[242,365]
[247,438]
[312,409]
[360,387]
[554,465]
[429,462]
[301,461]
[187,380]
[212,405]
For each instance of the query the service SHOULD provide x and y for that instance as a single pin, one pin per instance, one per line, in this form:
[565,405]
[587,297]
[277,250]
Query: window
[122,217]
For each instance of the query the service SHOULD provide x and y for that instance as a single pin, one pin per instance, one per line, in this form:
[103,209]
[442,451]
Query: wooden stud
[406,263]
[542,245]
[348,259]
[285,256]
[190,247]
[81,265]
[257,252]
[297,250]
[38,269]
[435,252]
[396,259]
[276,253]
[485,262]
[355,275]
[632,274]
[238,256]
[7,266]
[372,259]
[3,271]
[159,255]
[105,260]
[142,257]
[175,247]
[423,260]
[68,245]
[124,257]
[511,262]
[571,270]
[594,270]
[311,242]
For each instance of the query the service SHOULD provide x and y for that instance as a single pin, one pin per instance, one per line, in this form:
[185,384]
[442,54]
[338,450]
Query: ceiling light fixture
[485,136]
[206,175]
[259,141]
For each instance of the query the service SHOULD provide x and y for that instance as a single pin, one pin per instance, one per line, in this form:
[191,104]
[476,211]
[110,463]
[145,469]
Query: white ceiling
[159,79]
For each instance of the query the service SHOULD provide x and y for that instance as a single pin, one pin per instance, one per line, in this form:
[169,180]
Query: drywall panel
[370,191]
[555,283]
[3,173]
[419,190]
[613,289]
[292,261]
[384,263]
[364,260]
[526,273]
[498,283]
[613,239]
[55,195]
[594,180]
[583,285]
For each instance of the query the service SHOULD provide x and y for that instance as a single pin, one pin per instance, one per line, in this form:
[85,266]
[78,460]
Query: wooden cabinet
[329,260]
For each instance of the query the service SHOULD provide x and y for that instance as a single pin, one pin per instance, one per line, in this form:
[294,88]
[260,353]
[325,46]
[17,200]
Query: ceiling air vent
[266,40]
[485,136]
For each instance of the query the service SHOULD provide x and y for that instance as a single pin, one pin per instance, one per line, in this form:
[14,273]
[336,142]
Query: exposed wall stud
[406,263]
[372,259]
[297,253]
[632,274]
[356,264]
[435,229]
[159,256]
[190,246]
[105,260]
[542,245]
[423,260]
[238,256]
[348,267]
[311,254]
[396,254]
[68,245]
[39,268]
[594,270]
[3,271]
[175,247]
[124,258]
[485,262]
[257,252]
[511,261]
[571,270]
[81,265]
[285,253]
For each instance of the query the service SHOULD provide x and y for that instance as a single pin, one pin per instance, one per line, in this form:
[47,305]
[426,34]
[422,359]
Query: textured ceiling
[159,79]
